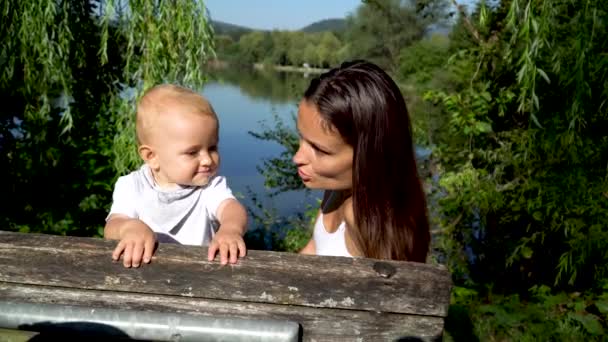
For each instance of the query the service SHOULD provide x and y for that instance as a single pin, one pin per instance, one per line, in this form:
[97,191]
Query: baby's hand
[136,244]
[229,243]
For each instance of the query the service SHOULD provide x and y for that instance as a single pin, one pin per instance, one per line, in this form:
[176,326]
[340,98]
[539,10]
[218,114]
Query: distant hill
[234,31]
[336,25]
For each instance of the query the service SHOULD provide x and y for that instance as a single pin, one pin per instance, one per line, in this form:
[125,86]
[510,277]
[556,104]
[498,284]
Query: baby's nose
[205,158]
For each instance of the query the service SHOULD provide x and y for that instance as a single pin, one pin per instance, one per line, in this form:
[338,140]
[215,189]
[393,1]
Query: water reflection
[243,100]
[264,85]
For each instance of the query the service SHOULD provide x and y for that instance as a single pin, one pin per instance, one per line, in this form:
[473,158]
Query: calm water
[243,100]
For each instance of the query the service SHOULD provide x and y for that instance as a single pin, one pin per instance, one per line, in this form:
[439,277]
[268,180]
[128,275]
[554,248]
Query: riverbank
[219,64]
[289,68]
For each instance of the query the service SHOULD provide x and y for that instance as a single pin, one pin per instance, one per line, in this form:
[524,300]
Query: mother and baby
[355,144]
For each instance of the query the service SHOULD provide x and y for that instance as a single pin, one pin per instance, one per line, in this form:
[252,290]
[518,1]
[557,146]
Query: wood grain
[331,297]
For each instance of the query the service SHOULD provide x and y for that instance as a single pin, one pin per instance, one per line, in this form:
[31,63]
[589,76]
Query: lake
[243,100]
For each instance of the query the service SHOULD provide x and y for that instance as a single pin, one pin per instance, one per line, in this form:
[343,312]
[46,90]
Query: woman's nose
[299,158]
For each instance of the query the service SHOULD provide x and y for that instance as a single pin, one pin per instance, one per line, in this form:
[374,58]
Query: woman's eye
[317,149]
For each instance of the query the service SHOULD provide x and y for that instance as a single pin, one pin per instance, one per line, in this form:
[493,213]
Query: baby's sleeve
[218,191]
[124,198]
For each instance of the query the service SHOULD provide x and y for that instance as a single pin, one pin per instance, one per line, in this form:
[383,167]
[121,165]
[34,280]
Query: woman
[356,144]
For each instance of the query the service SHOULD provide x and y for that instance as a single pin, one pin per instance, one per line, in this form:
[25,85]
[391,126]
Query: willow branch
[467,22]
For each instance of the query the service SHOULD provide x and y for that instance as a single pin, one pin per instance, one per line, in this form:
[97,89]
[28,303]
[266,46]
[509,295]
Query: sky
[279,14]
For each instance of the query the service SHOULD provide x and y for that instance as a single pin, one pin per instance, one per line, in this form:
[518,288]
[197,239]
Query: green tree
[422,59]
[380,29]
[310,54]
[225,47]
[329,45]
[299,41]
[254,47]
[280,47]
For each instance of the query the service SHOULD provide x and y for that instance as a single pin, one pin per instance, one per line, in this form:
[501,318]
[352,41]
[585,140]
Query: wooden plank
[261,277]
[318,324]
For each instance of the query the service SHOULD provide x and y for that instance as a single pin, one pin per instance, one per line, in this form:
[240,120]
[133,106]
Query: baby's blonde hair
[163,100]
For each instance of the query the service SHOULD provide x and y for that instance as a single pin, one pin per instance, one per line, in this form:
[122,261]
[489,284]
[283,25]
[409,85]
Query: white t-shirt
[326,243]
[187,214]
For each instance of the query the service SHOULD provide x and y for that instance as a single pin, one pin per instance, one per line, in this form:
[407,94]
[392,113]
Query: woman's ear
[148,155]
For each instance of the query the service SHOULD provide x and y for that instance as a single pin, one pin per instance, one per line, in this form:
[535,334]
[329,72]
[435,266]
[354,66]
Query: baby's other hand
[136,244]
[230,245]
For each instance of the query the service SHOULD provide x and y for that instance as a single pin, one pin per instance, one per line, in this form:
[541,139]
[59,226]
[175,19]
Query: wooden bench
[331,298]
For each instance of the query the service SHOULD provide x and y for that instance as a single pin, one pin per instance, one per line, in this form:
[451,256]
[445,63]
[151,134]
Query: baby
[177,191]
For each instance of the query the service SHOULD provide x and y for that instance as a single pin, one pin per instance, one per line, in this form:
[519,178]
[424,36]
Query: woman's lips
[303,175]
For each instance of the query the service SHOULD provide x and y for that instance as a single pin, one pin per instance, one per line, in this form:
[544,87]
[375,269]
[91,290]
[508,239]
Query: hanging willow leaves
[532,191]
[162,41]
[70,72]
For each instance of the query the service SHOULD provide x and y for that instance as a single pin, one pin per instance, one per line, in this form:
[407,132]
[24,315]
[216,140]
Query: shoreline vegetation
[219,64]
[290,68]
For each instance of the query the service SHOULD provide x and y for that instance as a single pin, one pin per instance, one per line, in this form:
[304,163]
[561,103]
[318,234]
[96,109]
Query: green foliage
[292,48]
[36,38]
[541,316]
[280,173]
[253,47]
[301,49]
[329,44]
[524,203]
[398,23]
[272,232]
[466,109]
[419,61]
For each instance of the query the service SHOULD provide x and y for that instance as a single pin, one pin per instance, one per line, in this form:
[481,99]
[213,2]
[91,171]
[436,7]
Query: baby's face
[186,146]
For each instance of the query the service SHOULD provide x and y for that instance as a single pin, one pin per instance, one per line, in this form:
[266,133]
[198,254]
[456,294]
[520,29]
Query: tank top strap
[326,243]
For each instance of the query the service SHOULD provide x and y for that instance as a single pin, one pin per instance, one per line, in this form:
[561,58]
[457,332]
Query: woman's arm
[310,248]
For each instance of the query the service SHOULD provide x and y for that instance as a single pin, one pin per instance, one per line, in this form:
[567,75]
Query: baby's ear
[148,155]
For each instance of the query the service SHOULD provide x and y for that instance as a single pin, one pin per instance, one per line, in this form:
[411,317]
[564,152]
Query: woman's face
[324,159]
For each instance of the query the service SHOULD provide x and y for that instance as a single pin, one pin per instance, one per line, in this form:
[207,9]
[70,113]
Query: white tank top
[333,244]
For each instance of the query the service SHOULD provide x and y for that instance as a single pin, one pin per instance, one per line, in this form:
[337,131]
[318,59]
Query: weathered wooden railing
[331,298]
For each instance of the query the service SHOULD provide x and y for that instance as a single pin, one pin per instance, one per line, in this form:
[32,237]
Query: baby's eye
[192,153]
[213,148]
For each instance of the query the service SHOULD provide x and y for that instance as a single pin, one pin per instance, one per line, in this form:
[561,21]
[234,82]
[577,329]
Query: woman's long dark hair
[366,107]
